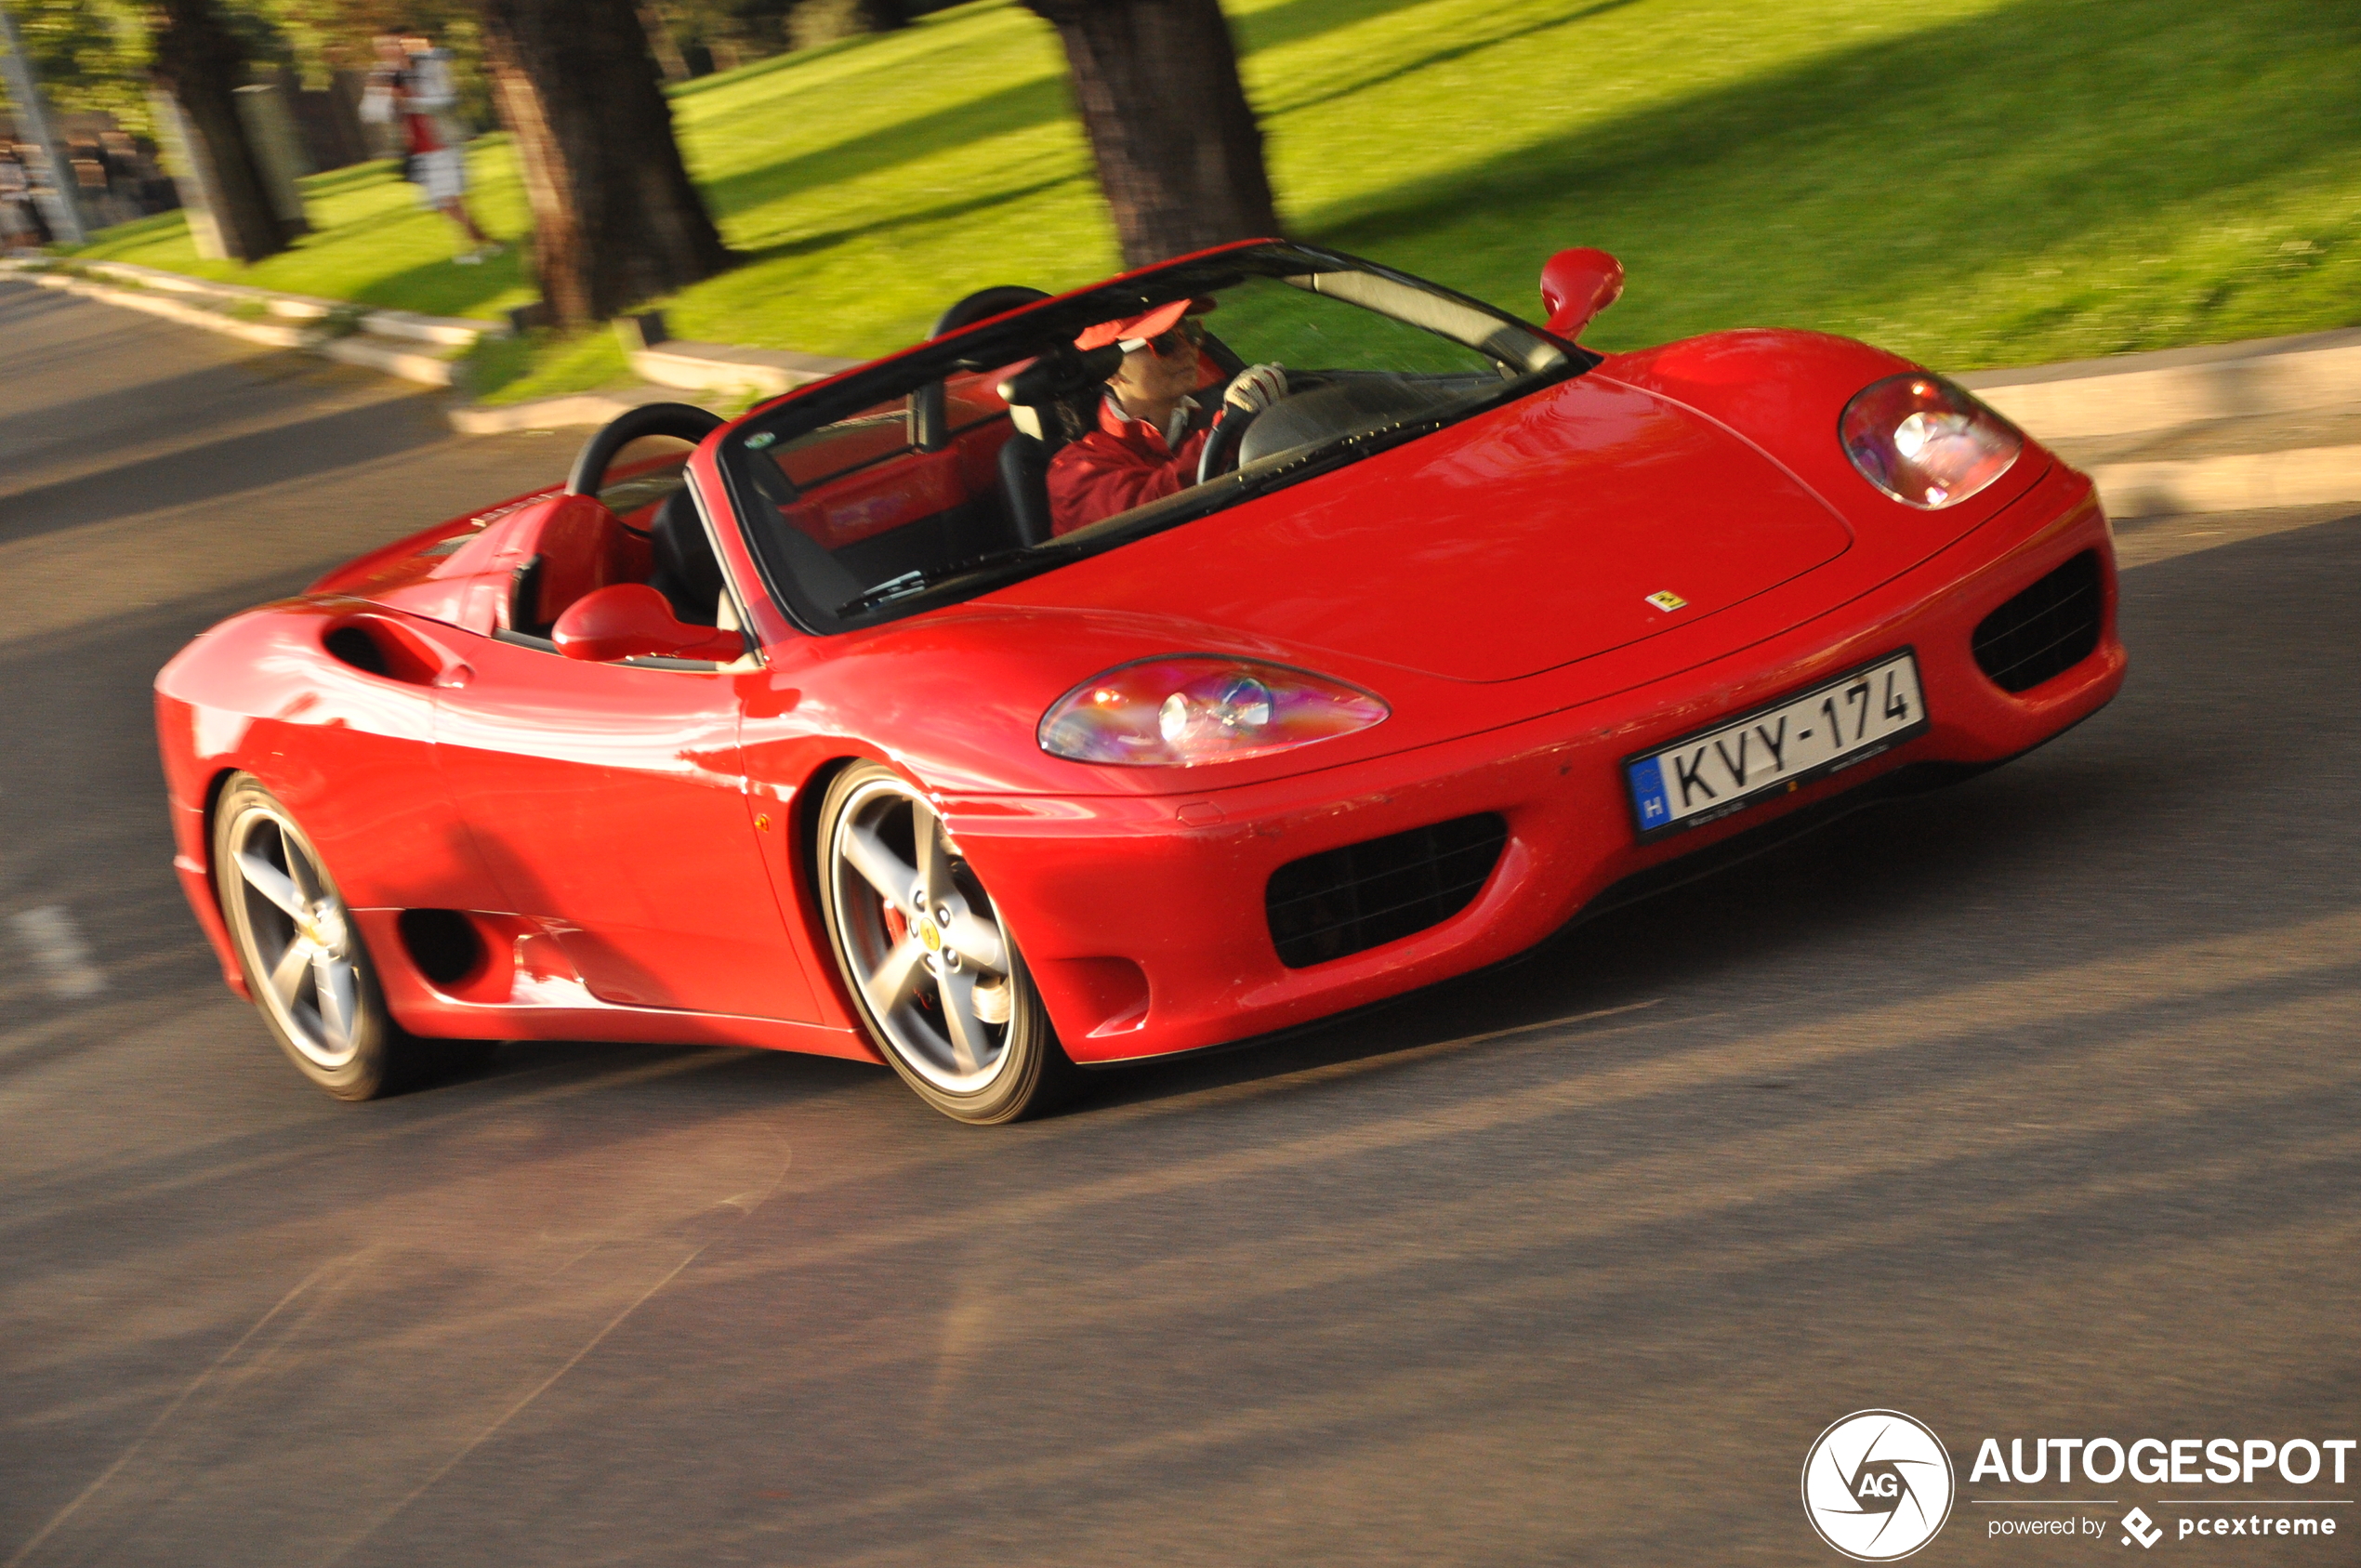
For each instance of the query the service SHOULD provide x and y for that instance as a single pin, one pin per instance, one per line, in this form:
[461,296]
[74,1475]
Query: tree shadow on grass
[808,245]
[953,129]
[1277,26]
[1865,171]
[333,182]
[1445,56]
[1020,106]
[443,287]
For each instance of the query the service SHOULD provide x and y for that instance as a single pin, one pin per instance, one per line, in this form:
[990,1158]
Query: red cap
[1155,323]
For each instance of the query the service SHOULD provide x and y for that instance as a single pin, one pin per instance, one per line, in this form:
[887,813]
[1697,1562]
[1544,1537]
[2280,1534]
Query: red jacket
[1123,464]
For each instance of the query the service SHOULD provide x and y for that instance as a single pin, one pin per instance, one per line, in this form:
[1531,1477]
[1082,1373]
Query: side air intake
[2044,632]
[1347,901]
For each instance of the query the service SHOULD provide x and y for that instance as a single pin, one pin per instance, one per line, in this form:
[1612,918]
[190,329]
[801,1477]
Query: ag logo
[1878,1485]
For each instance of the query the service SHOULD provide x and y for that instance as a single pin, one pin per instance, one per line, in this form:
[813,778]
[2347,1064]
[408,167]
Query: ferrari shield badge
[1666,601]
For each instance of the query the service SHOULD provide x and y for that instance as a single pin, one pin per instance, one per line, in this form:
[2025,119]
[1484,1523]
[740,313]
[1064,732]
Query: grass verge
[1974,182]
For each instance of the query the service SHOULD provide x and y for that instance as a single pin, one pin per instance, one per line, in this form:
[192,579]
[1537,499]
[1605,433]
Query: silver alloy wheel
[922,940]
[298,937]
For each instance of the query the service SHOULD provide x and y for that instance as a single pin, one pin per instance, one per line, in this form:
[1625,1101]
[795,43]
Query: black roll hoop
[680,420]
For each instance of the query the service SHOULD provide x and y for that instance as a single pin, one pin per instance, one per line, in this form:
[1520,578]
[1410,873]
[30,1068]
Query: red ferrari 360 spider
[1227,645]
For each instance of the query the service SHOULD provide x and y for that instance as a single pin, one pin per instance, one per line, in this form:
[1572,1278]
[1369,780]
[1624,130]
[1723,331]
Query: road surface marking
[58,952]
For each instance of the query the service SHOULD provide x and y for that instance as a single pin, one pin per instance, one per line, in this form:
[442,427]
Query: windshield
[1091,421]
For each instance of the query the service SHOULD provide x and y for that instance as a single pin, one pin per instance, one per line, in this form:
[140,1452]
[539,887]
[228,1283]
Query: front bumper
[1143,918]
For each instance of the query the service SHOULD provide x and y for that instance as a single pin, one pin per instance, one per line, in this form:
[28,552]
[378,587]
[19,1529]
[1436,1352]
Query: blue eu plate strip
[1647,793]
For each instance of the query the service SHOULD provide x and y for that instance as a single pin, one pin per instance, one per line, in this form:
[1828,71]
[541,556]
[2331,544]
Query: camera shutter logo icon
[1878,1485]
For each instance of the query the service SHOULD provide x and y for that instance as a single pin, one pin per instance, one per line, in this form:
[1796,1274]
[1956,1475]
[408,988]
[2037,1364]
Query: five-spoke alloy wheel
[304,962]
[925,956]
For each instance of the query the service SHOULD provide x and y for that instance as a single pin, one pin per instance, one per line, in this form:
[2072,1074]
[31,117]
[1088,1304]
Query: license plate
[1772,750]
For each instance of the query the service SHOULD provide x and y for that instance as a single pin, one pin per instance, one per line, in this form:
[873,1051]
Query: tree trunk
[199,61]
[1179,152]
[616,219]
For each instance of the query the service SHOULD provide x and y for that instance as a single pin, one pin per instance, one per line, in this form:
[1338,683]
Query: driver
[1148,438]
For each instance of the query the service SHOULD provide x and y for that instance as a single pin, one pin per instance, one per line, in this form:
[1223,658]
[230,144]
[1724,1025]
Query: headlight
[1924,441]
[1177,712]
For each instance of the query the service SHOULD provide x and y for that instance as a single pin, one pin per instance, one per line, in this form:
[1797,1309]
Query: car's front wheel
[304,960]
[927,958]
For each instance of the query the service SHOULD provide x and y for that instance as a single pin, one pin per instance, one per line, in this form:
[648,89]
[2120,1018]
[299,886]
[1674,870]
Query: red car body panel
[632,847]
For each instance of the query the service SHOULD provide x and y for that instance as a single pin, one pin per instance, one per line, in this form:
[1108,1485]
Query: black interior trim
[929,425]
[661,660]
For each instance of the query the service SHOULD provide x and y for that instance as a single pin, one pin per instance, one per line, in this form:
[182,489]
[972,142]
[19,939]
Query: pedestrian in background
[412,90]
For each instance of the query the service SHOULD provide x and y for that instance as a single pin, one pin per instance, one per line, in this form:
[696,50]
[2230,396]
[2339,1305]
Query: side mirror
[1577,285]
[632,621]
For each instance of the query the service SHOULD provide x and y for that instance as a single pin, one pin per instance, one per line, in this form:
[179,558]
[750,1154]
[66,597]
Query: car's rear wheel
[304,960]
[929,962]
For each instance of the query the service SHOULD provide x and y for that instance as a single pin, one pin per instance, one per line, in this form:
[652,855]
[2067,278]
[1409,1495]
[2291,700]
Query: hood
[1526,538]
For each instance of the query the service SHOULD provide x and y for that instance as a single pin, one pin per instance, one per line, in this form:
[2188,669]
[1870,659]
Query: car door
[609,800]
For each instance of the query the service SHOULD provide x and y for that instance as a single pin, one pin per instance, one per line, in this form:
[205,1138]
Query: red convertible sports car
[1244,639]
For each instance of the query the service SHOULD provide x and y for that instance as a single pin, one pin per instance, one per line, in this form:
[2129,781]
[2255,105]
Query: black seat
[1051,401]
[686,573]
[1024,486]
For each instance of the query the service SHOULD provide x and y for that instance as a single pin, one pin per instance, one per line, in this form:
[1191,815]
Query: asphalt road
[2028,1108]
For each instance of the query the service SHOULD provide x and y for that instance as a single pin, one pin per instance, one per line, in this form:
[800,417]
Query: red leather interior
[582,547]
[903,490]
[860,479]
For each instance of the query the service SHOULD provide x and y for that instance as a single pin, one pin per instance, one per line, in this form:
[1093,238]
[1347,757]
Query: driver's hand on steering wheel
[1256,387]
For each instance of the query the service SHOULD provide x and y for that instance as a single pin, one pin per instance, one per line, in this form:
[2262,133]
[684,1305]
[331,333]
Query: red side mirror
[632,621]
[1577,285]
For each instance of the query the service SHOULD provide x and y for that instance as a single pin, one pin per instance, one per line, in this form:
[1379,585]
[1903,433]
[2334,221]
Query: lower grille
[1347,901]
[2044,632]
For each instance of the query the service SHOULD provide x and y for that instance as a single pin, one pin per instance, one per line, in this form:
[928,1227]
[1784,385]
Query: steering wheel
[680,420]
[1219,453]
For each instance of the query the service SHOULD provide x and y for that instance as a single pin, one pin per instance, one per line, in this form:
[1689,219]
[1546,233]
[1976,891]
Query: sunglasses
[1180,340]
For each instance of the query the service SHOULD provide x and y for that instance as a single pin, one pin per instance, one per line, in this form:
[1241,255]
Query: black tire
[940,1026]
[351,1046]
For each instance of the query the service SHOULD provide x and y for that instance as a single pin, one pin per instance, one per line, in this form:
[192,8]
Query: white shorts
[442,175]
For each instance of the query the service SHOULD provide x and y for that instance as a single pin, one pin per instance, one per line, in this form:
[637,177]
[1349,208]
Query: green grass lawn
[1974,182]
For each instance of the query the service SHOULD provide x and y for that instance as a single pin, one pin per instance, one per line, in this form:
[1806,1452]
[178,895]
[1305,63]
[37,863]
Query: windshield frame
[830,605]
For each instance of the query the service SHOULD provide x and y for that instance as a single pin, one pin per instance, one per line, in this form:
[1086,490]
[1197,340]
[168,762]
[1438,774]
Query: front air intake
[1347,901]
[2044,632]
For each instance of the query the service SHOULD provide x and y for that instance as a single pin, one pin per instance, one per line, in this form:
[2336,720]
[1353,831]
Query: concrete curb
[393,352]
[454,332]
[391,359]
[2139,392]
[2246,481]
[267,333]
[551,414]
[723,372]
[727,369]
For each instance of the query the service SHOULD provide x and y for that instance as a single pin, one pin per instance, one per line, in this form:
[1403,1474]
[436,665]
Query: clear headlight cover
[1924,441]
[1181,710]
